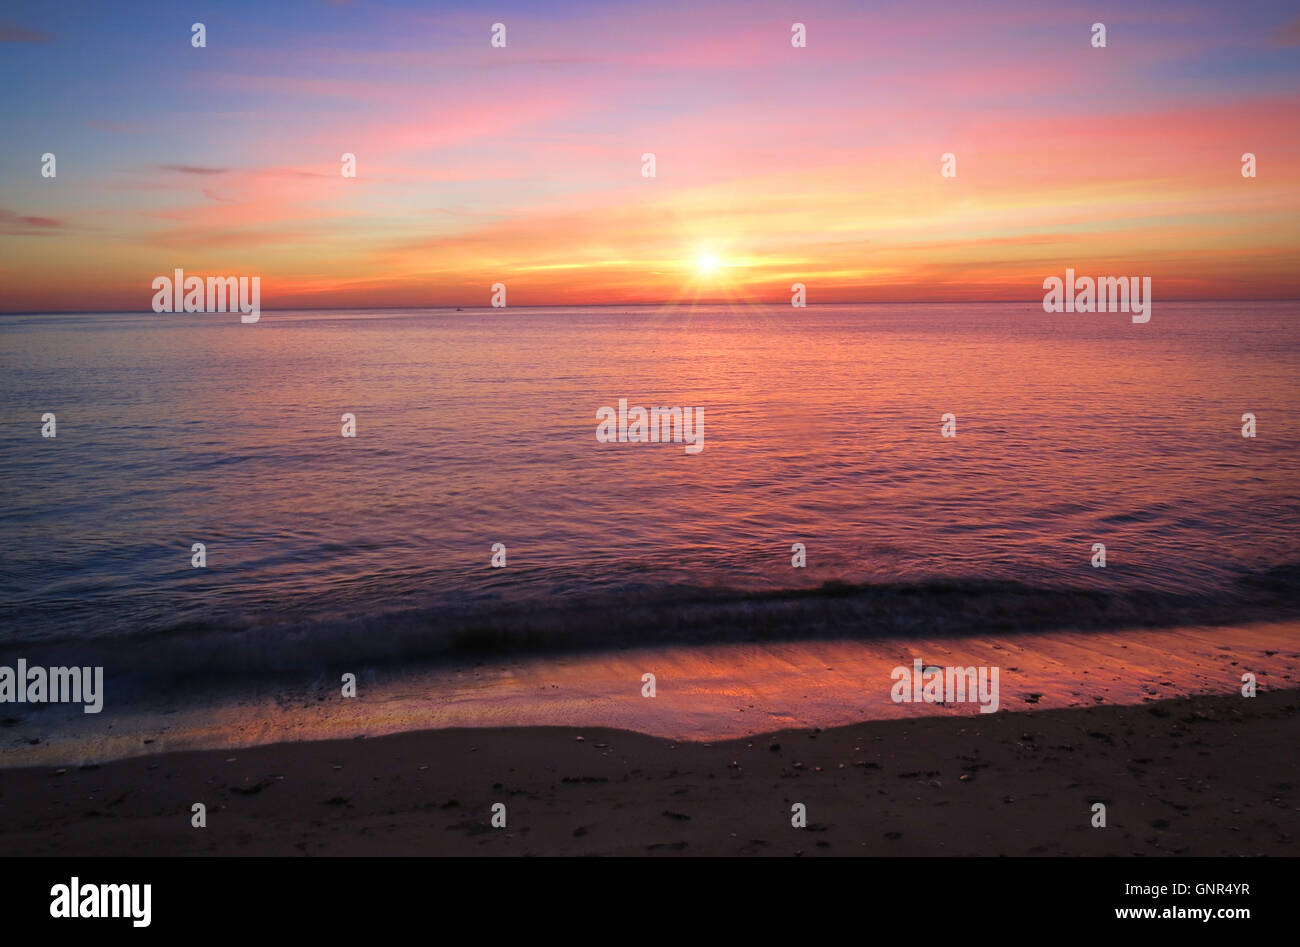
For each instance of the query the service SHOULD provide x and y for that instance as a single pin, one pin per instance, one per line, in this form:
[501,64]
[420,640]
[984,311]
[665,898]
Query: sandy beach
[1192,776]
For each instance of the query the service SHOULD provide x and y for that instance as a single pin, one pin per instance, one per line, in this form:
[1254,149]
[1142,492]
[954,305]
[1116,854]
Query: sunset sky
[522,165]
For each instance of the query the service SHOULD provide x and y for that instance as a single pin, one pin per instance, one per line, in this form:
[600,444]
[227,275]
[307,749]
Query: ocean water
[821,426]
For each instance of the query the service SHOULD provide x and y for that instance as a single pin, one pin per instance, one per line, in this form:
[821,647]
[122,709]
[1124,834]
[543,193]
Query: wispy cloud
[16,34]
[193,169]
[1288,34]
[24,225]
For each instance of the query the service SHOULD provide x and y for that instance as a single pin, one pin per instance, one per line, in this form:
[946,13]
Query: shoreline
[1202,775]
[703,692]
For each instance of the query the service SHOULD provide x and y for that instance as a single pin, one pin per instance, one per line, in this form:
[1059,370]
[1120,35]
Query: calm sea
[821,427]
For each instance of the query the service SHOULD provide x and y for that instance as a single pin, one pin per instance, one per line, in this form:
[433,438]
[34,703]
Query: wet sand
[702,693]
[1195,776]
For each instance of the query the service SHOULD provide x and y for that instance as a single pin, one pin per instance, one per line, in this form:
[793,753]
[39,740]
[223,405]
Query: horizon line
[675,304]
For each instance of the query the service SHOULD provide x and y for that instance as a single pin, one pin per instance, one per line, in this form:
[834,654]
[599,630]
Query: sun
[707,264]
